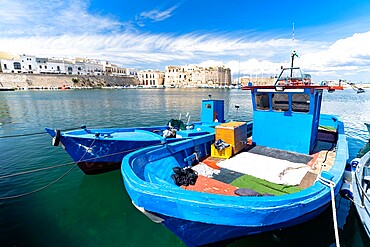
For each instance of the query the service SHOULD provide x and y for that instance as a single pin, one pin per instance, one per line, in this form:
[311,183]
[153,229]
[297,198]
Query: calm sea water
[82,210]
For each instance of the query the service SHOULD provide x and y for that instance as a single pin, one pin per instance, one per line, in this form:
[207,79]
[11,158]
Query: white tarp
[271,169]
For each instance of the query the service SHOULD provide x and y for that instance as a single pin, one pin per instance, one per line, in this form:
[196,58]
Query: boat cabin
[286,115]
[212,111]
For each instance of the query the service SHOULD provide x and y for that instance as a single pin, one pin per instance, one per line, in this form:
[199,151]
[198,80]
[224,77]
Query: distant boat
[101,150]
[175,185]
[7,88]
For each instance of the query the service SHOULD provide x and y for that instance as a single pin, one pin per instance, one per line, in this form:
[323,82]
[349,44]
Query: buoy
[355,162]
[348,173]
[346,191]
[56,139]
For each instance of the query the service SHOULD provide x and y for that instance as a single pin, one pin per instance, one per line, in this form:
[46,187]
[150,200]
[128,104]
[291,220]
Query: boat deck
[289,172]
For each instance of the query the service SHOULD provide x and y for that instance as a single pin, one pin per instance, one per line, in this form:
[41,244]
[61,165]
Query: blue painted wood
[212,110]
[101,150]
[203,218]
[287,130]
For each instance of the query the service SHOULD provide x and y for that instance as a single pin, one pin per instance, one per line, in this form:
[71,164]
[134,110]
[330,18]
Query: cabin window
[262,101]
[301,102]
[280,102]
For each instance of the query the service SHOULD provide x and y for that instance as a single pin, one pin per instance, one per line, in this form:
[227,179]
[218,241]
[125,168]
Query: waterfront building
[50,66]
[196,76]
[176,76]
[9,63]
[132,72]
[28,64]
[269,80]
[93,68]
[151,78]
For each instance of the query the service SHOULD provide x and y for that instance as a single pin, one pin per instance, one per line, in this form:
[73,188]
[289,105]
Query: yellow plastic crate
[226,153]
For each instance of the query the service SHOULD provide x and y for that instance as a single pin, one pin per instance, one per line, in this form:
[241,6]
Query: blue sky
[332,38]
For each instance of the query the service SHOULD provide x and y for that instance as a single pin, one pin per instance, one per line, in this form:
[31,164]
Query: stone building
[151,78]
[196,76]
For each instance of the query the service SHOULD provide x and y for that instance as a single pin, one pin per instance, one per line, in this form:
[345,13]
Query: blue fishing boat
[361,189]
[206,194]
[101,150]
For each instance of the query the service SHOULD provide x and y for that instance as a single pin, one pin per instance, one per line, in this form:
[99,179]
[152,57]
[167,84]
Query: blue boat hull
[103,153]
[200,218]
[203,234]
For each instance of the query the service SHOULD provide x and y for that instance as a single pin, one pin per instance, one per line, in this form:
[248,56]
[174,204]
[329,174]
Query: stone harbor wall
[57,81]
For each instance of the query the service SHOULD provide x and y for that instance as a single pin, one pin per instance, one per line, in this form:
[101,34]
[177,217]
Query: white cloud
[67,28]
[157,15]
[57,17]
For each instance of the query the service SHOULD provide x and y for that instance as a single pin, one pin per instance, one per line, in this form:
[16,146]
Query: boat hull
[103,153]
[203,234]
[362,203]
[200,218]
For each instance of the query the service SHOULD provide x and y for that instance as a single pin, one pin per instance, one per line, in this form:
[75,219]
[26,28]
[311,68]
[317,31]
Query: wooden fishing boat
[292,145]
[102,150]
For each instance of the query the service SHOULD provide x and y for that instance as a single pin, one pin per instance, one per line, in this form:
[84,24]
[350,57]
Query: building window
[17,65]
[29,66]
[46,67]
[301,102]
[280,102]
[5,66]
[262,101]
[40,66]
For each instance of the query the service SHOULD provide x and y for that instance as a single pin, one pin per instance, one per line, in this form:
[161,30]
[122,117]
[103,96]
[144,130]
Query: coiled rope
[331,185]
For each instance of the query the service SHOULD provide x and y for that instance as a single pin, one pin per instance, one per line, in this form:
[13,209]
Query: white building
[50,66]
[29,64]
[10,66]
[154,78]
[94,68]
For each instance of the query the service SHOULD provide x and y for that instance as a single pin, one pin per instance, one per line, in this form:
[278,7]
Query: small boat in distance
[288,173]
[101,150]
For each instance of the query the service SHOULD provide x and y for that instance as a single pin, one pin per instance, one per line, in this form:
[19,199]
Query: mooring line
[39,189]
[57,166]
[48,185]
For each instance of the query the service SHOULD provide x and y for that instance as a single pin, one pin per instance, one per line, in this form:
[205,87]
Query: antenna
[293,53]
[293,41]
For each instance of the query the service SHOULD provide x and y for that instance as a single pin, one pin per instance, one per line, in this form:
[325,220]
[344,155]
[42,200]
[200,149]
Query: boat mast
[293,53]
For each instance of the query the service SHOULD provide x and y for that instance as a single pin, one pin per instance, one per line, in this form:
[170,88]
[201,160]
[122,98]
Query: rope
[33,134]
[39,189]
[48,185]
[36,170]
[359,184]
[331,185]
[29,134]
[70,163]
